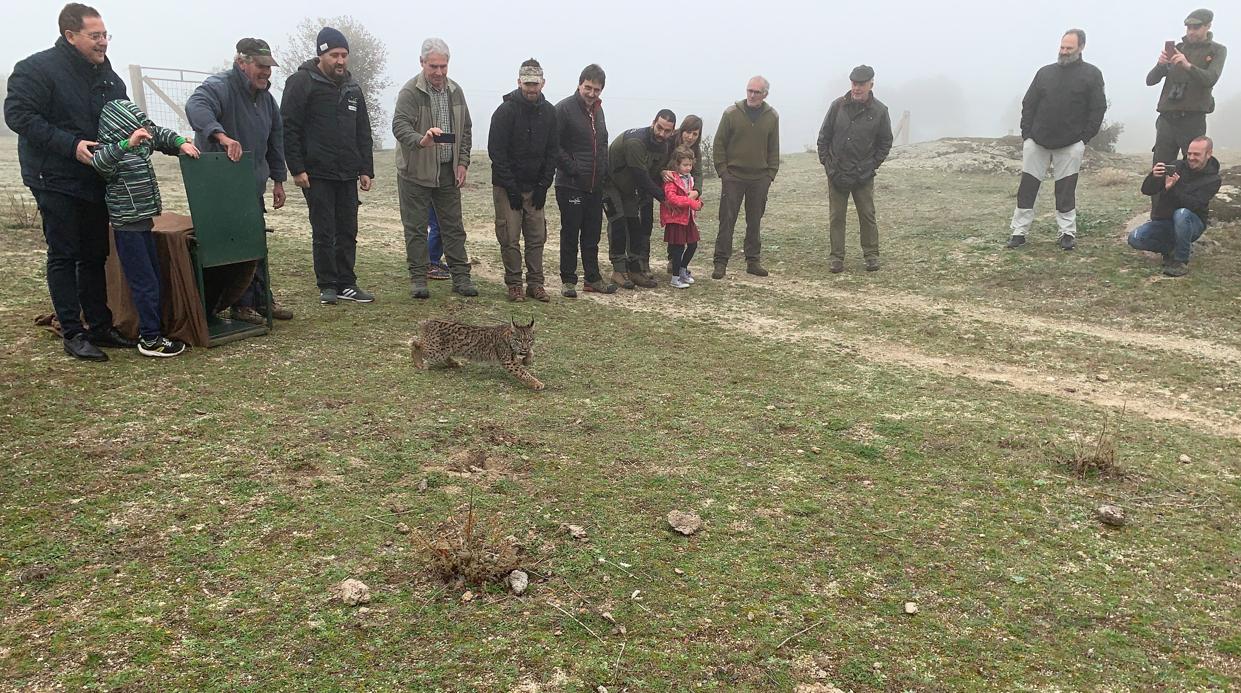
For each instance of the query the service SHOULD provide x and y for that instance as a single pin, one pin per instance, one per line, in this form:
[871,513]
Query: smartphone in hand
[1169,47]
[444,138]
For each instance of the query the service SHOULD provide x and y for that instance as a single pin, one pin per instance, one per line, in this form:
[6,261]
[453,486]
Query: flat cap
[862,73]
[1197,17]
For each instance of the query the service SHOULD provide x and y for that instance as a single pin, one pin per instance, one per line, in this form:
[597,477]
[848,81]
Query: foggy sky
[958,66]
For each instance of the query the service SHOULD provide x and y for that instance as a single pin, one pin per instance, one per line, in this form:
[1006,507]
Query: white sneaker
[678,283]
[687,277]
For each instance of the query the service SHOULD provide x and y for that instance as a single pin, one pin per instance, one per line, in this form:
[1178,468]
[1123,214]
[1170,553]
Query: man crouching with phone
[1180,192]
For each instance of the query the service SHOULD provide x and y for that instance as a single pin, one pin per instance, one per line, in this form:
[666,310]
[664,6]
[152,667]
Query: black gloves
[514,200]
[539,197]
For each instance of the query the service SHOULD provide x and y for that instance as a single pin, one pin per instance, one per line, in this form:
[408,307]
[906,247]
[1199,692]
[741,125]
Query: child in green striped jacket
[127,137]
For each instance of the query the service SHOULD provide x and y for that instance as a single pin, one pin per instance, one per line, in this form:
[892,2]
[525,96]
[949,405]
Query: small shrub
[706,151]
[1111,177]
[469,550]
[1097,457]
[21,213]
[1106,140]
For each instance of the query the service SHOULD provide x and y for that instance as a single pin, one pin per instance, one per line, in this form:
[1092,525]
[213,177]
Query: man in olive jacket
[1062,110]
[433,137]
[523,147]
[1188,74]
[635,163]
[854,141]
[327,144]
[747,157]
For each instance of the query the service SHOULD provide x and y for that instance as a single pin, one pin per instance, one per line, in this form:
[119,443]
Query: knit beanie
[328,39]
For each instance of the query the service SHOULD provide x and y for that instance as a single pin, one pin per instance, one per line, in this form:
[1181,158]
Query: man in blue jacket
[233,112]
[54,100]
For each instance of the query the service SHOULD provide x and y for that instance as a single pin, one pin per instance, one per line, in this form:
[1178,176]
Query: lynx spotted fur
[447,342]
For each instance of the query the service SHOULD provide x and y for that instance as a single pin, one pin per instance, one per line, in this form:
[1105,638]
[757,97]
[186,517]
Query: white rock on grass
[911,607]
[683,522]
[1110,515]
[518,581]
[352,592]
[576,531]
[1185,459]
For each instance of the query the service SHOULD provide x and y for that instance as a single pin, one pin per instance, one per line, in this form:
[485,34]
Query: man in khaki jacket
[747,157]
[433,137]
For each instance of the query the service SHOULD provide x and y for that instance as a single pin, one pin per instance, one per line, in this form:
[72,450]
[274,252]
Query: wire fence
[161,92]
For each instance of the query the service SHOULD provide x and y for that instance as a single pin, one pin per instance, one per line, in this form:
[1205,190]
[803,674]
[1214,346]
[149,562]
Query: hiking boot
[872,264]
[466,289]
[246,314]
[514,293]
[419,291]
[79,347]
[1176,269]
[622,280]
[755,269]
[643,279]
[678,283]
[837,267]
[568,290]
[1167,259]
[1067,242]
[718,272]
[353,293]
[438,272]
[279,312]
[1015,241]
[327,297]
[161,347]
[599,287]
[538,293]
[110,338]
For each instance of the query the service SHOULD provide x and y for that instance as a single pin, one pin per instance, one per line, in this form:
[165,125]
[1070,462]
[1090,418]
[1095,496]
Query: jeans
[135,248]
[1173,236]
[435,246]
[76,232]
[334,231]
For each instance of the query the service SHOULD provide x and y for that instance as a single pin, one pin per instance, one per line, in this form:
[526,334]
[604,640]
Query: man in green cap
[1188,72]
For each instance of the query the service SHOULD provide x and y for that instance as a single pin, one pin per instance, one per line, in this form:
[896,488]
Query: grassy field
[853,442]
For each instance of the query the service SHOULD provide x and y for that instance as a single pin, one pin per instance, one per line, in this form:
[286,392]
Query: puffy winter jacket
[1064,105]
[583,140]
[522,143]
[1193,191]
[54,100]
[677,207]
[132,192]
[854,141]
[327,131]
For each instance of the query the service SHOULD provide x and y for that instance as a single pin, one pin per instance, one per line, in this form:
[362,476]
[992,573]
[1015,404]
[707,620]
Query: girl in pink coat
[676,215]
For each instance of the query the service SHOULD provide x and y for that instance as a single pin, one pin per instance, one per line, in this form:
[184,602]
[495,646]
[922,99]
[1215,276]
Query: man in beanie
[1189,73]
[747,157]
[233,112]
[54,101]
[1061,111]
[853,142]
[434,134]
[523,148]
[327,143]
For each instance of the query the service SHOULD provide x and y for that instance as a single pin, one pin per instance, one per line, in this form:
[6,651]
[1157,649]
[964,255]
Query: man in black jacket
[854,141]
[522,145]
[1061,111]
[53,105]
[1180,206]
[1189,73]
[327,144]
[582,135]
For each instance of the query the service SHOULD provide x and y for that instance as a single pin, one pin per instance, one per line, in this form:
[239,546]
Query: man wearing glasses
[54,100]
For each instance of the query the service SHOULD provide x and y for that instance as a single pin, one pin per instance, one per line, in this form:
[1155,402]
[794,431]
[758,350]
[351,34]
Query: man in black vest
[53,105]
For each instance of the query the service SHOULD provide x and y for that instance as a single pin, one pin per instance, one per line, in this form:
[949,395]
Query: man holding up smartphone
[1180,194]
[1189,71]
[433,136]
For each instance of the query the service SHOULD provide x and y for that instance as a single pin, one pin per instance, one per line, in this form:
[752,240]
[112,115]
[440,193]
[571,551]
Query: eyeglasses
[755,91]
[95,36]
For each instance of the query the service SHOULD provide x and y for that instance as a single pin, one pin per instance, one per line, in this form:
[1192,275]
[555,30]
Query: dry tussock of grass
[1097,456]
[1109,177]
[469,550]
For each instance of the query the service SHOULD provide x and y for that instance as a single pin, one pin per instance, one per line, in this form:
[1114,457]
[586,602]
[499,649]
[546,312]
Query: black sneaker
[161,347]
[327,297]
[353,293]
[1067,242]
[110,338]
[79,347]
[1015,241]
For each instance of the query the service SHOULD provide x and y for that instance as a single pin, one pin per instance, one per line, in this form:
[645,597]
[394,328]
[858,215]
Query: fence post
[139,90]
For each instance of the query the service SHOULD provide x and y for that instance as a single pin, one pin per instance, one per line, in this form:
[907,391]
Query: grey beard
[1068,59]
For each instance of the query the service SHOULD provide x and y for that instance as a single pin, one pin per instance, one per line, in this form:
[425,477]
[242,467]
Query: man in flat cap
[1062,110]
[235,112]
[1188,72]
[854,141]
[523,147]
[327,142]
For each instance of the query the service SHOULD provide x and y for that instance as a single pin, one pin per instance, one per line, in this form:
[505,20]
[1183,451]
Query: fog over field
[960,68]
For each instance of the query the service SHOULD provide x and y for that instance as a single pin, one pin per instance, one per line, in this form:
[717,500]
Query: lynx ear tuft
[531,321]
